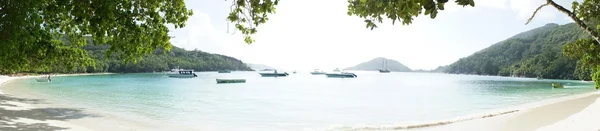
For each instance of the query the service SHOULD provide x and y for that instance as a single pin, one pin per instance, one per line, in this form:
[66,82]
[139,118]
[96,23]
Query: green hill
[377,63]
[156,61]
[534,53]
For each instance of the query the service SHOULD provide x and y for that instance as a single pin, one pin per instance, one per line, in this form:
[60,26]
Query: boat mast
[384,64]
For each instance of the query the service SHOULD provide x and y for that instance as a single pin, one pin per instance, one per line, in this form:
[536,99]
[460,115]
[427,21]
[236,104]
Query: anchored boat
[342,75]
[557,85]
[384,67]
[220,81]
[274,73]
[224,71]
[337,73]
[183,74]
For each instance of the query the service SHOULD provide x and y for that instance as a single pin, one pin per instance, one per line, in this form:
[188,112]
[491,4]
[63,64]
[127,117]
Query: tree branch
[535,12]
[579,22]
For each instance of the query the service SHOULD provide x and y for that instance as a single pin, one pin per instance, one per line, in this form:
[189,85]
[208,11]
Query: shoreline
[492,117]
[461,122]
[30,114]
[563,112]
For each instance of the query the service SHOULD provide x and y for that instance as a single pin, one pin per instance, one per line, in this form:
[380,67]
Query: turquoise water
[298,102]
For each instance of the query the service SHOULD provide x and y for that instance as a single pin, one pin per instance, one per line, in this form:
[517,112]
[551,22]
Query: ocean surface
[298,102]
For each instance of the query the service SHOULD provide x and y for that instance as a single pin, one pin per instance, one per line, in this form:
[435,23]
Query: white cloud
[305,35]
[525,9]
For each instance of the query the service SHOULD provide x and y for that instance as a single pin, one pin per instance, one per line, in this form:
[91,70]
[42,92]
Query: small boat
[43,79]
[273,74]
[337,73]
[224,71]
[384,71]
[317,72]
[294,72]
[183,74]
[219,81]
[342,75]
[556,85]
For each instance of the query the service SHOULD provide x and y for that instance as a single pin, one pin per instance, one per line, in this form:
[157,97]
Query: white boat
[183,74]
[42,80]
[342,75]
[176,69]
[337,73]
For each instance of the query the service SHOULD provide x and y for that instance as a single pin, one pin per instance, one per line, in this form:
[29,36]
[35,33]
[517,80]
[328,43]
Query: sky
[318,34]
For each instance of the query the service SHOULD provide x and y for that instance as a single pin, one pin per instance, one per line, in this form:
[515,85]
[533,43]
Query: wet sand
[580,113]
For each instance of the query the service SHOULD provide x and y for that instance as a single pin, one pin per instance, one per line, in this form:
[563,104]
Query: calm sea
[298,102]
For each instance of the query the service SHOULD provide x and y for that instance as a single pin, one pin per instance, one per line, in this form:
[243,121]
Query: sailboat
[384,67]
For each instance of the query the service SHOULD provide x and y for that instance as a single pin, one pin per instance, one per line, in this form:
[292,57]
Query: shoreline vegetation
[555,113]
[156,61]
[536,53]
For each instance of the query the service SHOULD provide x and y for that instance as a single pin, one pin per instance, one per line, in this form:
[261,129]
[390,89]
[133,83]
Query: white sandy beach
[570,113]
[19,114]
[578,113]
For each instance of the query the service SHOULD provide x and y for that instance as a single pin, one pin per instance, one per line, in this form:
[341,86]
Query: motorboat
[183,74]
[342,75]
[273,73]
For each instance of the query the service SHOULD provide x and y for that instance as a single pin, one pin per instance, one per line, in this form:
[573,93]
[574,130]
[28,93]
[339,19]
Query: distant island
[534,53]
[258,67]
[378,63]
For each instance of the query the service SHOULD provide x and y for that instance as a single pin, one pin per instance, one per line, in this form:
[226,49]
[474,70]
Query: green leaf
[434,14]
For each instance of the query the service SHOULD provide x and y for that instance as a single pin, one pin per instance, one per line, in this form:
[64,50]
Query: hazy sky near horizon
[310,34]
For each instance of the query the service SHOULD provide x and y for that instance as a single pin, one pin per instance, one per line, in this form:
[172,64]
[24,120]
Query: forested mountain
[157,61]
[440,69]
[535,53]
[377,63]
[196,60]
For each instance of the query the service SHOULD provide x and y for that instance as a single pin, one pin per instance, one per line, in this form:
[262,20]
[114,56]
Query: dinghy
[219,81]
